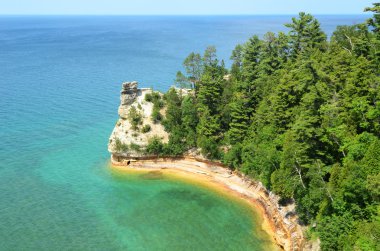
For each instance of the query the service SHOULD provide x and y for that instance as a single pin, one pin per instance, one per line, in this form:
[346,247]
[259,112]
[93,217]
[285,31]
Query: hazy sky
[182,7]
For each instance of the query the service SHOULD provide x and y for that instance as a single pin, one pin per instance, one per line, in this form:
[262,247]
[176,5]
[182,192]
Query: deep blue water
[60,79]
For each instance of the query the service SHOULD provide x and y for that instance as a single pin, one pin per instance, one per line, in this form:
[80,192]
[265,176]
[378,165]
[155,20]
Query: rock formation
[128,95]
[128,139]
[127,147]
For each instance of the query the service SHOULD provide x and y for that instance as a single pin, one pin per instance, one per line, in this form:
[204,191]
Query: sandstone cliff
[135,126]
[127,147]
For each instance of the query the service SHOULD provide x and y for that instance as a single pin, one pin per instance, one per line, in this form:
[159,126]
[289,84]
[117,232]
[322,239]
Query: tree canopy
[301,114]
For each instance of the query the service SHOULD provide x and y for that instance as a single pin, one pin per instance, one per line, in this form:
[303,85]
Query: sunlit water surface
[59,91]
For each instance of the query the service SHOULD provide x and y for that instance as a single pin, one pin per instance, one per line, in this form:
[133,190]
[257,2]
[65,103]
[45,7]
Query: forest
[299,112]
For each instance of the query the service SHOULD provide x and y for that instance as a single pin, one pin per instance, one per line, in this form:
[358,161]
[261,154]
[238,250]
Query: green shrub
[156,96]
[135,147]
[209,147]
[152,97]
[120,147]
[155,146]
[233,157]
[135,118]
[148,97]
[160,103]
[156,115]
[146,128]
[135,135]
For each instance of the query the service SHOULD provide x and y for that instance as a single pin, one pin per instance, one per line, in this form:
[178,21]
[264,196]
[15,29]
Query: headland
[128,144]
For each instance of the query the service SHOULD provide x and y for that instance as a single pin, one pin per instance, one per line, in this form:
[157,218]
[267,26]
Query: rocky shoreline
[282,220]
[127,146]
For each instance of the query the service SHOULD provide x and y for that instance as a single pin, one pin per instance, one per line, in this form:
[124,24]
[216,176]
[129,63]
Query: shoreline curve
[280,222]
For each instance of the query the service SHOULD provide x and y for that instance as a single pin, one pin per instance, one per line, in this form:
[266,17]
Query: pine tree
[194,67]
[305,33]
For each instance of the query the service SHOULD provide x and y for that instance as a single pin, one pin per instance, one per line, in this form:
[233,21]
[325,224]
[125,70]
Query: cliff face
[127,145]
[282,220]
[130,136]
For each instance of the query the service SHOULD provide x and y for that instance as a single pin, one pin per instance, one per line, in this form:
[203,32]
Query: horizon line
[265,14]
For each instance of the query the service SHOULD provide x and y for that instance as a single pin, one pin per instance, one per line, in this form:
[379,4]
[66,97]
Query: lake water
[60,79]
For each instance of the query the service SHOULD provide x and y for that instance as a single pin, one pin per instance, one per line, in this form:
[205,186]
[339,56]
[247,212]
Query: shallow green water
[60,80]
[170,214]
[68,198]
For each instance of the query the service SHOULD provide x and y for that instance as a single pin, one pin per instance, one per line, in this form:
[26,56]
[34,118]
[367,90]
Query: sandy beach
[279,222]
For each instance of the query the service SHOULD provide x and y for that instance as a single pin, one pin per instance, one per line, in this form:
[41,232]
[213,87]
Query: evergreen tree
[240,118]
[173,116]
[300,114]
[194,67]
[305,33]
[189,120]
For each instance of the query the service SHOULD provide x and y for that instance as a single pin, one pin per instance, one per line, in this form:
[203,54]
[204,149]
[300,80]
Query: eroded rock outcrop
[130,135]
[128,95]
[127,145]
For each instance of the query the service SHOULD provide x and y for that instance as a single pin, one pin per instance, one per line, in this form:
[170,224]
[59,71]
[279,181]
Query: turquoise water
[60,79]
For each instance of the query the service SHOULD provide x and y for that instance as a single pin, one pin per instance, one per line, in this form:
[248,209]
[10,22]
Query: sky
[181,7]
